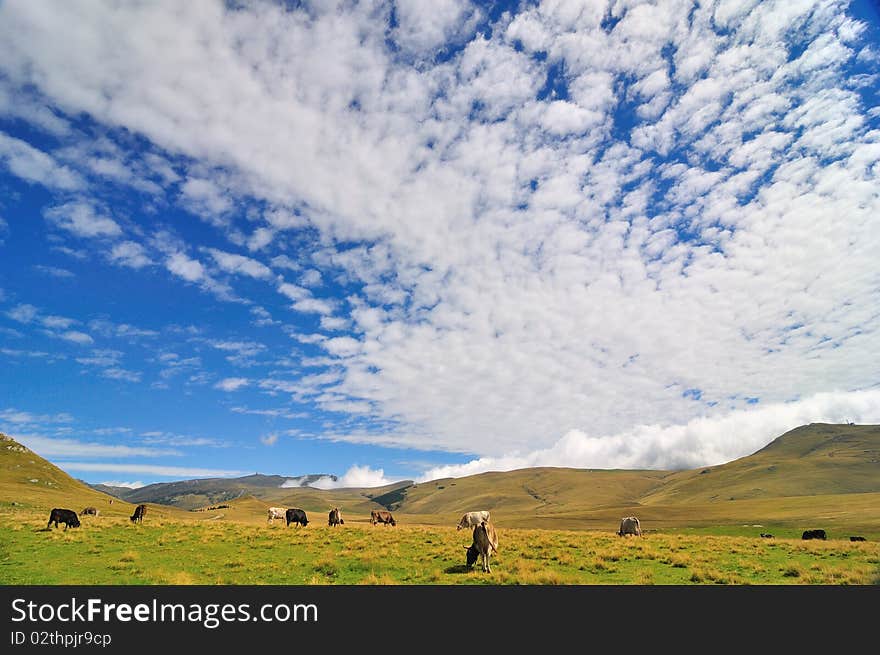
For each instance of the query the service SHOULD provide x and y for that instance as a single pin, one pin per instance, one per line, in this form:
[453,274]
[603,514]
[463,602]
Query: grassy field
[556,526]
[163,550]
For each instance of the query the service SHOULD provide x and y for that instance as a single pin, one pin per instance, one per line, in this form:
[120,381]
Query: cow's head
[472,555]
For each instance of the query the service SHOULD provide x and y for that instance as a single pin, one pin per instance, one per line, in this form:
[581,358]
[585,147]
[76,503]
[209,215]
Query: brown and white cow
[473,519]
[277,513]
[335,518]
[485,543]
[630,525]
[381,516]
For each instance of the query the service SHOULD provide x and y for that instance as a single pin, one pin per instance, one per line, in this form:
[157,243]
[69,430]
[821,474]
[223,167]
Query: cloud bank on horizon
[600,234]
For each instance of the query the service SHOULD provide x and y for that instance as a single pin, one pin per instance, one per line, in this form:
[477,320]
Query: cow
[380,516]
[296,515]
[66,516]
[485,543]
[813,534]
[276,513]
[764,535]
[139,513]
[856,538]
[335,518]
[93,511]
[472,519]
[629,525]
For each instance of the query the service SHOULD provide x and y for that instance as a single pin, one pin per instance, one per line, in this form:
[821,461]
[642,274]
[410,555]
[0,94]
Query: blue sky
[419,239]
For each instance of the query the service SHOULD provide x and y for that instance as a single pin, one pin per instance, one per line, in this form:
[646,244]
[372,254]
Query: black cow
[298,516]
[856,538]
[66,516]
[139,512]
[335,518]
[93,511]
[813,534]
[765,535]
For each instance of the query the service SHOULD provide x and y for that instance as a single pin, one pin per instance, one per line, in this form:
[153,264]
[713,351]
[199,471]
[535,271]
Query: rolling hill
[815,459]
[817,472]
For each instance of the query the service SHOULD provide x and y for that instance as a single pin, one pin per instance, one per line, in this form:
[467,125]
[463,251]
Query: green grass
[168,551]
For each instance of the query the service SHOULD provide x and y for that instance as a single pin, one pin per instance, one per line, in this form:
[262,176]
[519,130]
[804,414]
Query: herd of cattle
[485,537]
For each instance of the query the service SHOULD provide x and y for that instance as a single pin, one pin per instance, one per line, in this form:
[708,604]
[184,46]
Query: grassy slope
[816,459]
[31,482]
[528,493]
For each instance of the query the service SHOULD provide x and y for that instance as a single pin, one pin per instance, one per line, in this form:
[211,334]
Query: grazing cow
[764,535]
[856,538]
[89,510]
[335,518]
[485,543]
[380,516]
[139,513]
[276,513]
[298,516]
[813,534]
[66,516]
[472,519]
[630,525]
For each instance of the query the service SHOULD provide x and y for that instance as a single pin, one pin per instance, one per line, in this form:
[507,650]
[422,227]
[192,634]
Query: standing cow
[92,511]
[630,525]
[276,513]
[814,534]
[66,516]
[335,518]
[473,519]
[139,512]
[298,516]
[380,516]
[485,543]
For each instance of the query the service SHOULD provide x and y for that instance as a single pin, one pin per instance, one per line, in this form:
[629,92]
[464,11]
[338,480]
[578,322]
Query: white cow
[630,525]
[472,519]
[485,543]
[277,513]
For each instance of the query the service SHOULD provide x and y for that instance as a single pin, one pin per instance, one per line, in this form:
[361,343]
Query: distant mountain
[191,494]
[116,492]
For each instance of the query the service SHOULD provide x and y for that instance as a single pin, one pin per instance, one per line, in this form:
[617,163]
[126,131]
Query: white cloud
[355,477]
[82,219]
[232,384]
[123,483]
[314,306]
[52,447]
[129,253]
[232,263]
[18,417]
[703,441]
[182,266]
[53,271]
[76,336]
[180,472]
[690,222]
[23,313]
[122,374]
[35,166]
